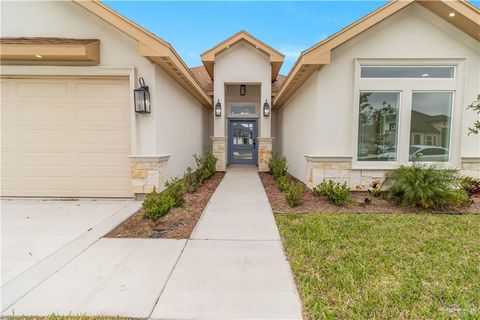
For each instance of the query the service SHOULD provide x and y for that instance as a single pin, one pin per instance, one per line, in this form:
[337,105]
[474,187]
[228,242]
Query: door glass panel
[430,126]
[242,134]
[407,72]
[377,127]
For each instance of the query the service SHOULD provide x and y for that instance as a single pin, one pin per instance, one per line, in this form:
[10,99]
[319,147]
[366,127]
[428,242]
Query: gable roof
[276,58]
[467,19]
[153,48]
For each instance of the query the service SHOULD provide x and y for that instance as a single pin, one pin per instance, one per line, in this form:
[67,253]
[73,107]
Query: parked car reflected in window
[430,126]
[428,153]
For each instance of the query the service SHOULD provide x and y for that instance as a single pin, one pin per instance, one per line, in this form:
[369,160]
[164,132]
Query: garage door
[65,137]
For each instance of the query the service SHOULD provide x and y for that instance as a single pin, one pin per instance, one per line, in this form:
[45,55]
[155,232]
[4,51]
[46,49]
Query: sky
[193,27]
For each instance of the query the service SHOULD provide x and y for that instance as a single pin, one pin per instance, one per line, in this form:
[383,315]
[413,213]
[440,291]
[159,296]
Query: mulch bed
[177,224]
[314,203]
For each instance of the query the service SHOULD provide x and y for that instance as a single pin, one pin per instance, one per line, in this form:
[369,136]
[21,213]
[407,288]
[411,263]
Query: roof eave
[153,48]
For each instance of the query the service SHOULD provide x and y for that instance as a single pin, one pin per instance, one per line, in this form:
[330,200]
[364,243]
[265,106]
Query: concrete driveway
[40,236]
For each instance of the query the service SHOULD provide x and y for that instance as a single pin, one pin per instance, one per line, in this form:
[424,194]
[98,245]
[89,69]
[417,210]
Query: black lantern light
[218,108]
[142,98]
[243,89]
[266,108]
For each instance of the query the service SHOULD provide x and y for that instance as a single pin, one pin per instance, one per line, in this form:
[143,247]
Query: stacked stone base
[147,173]
[219,150]
[340,170]
[265,146]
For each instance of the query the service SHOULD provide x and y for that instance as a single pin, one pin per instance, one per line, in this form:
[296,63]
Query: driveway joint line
[167,280]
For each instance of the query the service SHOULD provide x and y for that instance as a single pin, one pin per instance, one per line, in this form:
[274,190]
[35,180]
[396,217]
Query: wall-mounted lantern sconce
[142,98]
[243,89]
[266,108]
[218,108]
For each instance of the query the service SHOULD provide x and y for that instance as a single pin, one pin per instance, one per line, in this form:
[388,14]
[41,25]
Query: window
[431,115]
[405,113]
[377,131]
[243,110]
[407,72]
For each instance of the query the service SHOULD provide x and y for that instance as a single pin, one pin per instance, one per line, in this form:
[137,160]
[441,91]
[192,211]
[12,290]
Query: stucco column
[265,122]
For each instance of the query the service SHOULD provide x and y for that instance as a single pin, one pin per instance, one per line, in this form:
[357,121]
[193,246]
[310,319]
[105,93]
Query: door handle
[254,143]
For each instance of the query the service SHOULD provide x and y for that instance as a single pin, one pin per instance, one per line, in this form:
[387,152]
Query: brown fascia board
[467,19]
[276,58]
[153,48]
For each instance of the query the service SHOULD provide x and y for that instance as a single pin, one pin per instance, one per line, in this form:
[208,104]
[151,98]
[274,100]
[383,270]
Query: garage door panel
[104,116]
[27,90]
[111,92]
[44,136]
[58,143]
[44,114]
[112,159]
[42,159]
[102,136]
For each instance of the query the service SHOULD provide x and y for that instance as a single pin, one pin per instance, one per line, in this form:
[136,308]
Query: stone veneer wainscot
[265,146]
[339,169]
[148,172]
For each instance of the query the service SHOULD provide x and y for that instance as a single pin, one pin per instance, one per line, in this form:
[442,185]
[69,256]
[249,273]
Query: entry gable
[275,57]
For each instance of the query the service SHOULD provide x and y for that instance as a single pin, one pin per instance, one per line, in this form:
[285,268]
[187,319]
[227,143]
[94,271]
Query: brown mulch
[314,203]
[177,224]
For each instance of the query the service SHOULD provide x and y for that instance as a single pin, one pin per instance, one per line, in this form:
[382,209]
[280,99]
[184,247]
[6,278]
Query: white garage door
[65,137]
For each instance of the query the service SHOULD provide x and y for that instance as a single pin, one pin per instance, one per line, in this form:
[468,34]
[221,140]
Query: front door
[242,142]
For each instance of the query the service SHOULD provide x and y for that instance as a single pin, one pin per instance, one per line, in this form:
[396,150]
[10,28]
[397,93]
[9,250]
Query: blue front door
[242,142]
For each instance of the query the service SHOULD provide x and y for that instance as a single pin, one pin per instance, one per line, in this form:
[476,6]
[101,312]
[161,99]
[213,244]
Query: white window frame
[406,86]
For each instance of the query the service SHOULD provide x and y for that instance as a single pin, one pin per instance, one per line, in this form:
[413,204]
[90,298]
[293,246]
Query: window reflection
[377,128]
[430,126]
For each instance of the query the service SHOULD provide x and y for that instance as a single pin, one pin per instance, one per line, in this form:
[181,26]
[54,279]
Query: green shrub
[175,188]
[336,193]
[426,187]
[470,185]
[206,165]
[284,182]
[156,206]
[294,194]
[278,166]
[192,180]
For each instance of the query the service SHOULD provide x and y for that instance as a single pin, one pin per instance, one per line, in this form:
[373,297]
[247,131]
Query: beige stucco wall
[178,125]
[318,119]
[182,124]
[296,133]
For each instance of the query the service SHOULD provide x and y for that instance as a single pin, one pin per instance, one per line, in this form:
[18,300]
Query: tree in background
[475,106]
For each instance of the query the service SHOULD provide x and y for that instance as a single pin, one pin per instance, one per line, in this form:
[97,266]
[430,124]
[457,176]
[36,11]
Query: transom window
[243,110]
[400,120]
[407,72]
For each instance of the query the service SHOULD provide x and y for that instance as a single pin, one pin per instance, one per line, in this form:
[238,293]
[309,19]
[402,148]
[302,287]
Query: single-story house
[93,105]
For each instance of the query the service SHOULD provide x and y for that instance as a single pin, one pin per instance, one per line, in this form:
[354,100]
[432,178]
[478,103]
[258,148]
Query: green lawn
[385,266]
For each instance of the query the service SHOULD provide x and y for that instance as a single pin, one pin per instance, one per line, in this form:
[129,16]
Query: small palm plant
[426,187]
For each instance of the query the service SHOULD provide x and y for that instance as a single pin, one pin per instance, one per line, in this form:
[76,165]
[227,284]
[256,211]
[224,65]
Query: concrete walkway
[233,267]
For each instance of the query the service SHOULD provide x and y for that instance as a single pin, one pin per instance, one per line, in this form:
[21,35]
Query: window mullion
[404,125]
